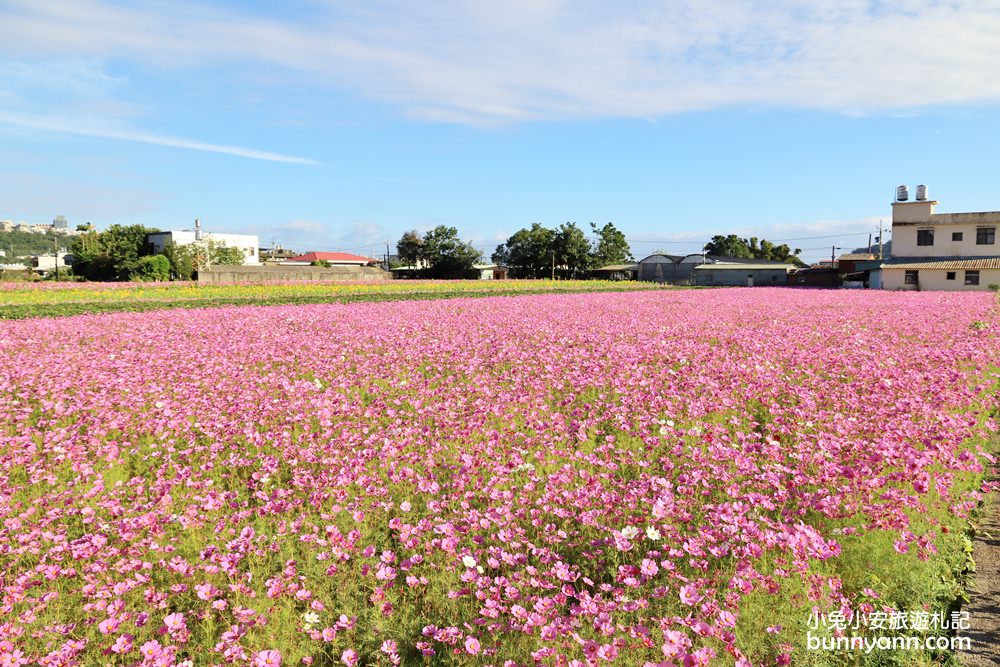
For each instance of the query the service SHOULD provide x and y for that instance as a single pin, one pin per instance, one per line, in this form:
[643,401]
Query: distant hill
[886,249]
[25,244]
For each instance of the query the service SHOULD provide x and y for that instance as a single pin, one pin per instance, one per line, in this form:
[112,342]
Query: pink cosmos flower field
[651,478]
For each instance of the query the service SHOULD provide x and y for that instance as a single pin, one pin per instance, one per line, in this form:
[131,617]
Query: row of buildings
[930,251]
[59,226]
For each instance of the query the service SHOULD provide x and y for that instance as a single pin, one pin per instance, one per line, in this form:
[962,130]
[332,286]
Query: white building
[46,263]
[247,243]
[940,251]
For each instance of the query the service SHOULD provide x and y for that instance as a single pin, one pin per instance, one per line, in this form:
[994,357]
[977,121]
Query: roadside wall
[272,274]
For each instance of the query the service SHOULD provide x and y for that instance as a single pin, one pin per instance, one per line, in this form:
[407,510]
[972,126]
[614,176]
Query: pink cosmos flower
[472,646]
[690,595]
[267,658]
[349,657]
[123,644]
[151,649]
[174,622]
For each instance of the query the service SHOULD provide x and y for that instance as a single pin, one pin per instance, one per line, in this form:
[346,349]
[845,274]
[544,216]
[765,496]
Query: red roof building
[336,258]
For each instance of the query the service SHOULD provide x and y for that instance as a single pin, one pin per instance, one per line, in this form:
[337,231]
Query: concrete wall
[270,274]
[936,279]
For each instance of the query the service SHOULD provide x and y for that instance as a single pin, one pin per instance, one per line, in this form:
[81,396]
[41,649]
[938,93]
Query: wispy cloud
[472,62]
[71,126]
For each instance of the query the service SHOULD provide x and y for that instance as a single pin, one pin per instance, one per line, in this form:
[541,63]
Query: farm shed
[741,275]
[615,272]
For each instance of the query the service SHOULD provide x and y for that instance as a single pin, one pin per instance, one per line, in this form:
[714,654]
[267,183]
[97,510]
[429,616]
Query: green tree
[220,253]
[528,253]
[752,248]
[728,246]
[112,254]
[448,256]
[181,260]
[410,249]
[572,251]
[151,268]
[611,248]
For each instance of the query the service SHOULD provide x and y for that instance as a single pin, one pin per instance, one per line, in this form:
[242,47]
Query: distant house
[333,258]
[616,272]
[247,243]
[815,276]
[490,271]
[276,254]
[940,251]
[750,274]
[663,268]
[44,263]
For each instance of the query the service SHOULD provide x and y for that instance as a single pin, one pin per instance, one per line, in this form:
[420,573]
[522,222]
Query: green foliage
[752,248]
[24,244]
[528,253]
[572,251]
[151,268]
[321,263]
[437,254]
[611,248]
[411,249]
[226,255]
[112,254]
[182,260]
[566,252]
[447,255]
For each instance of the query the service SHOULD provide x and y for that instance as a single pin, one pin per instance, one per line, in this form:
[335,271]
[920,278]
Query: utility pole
[880,238]
[869,244]
[553,265]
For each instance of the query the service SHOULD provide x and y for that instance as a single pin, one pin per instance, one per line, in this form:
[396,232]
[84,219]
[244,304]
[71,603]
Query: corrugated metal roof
[617,267]
[937,263]
[741,267]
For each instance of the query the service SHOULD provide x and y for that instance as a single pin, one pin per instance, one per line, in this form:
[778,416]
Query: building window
[986,235]
[925,237]
[950,275]
[956,236]
[911,278]
[972,277]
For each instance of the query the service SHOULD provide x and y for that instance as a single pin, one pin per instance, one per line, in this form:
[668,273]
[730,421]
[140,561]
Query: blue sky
[332,125]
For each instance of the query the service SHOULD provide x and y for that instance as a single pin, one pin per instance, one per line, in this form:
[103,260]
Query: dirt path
[984,606]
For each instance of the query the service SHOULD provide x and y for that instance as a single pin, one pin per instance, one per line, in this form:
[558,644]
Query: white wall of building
[937,280]
[248,243]
[909,218]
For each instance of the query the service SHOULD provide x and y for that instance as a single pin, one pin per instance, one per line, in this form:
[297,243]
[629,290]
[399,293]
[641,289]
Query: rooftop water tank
[921,193]
[902,193]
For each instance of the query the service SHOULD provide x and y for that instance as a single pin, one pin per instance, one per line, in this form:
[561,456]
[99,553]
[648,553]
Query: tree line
[534,252]
[121,252]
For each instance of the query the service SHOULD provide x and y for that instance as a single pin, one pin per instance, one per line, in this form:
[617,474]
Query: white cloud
[82,128]
[474,62]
